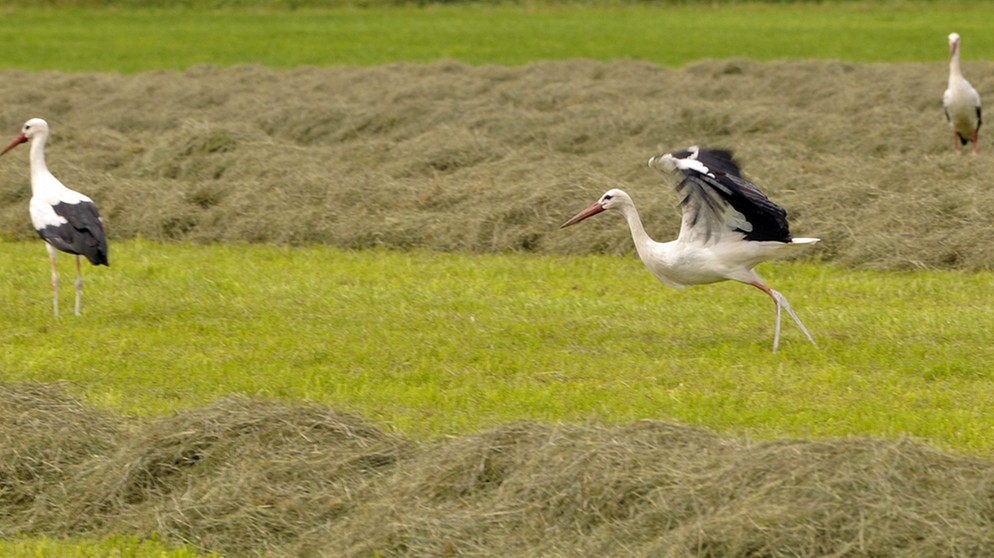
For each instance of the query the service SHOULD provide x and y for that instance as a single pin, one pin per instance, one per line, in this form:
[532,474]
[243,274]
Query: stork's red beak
[21,138]
[589,212]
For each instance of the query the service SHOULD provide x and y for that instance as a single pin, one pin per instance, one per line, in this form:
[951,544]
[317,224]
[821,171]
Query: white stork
[961,101]
[65,219]
[728,227]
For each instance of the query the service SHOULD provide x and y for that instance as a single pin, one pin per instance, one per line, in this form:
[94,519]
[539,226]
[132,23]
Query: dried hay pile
[449,157]
[258,478]
[45,437]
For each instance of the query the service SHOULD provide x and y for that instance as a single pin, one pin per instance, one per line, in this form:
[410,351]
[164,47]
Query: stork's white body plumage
[66,219]
[961,101]
[728,227]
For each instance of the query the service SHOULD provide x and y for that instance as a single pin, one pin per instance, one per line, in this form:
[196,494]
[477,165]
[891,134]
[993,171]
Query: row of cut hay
[249,477]
[453,157]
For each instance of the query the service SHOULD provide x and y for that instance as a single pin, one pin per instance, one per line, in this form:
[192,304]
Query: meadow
[435,345]
[151,37]
[338,292]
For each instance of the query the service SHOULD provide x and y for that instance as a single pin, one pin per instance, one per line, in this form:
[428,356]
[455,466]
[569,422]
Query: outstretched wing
[717,201]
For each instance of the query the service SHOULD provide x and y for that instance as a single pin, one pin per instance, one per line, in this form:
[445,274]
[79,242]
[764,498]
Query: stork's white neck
[641,238]
[37,158]
[954,70]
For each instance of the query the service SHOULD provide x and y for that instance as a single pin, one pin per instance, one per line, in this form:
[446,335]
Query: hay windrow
[46,436]
[448,156]
[249,477]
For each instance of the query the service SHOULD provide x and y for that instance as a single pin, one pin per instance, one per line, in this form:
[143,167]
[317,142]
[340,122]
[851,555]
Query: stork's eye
[607,197]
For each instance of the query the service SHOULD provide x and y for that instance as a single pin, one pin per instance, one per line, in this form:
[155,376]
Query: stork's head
[953,44]
[31,129]
[612,199]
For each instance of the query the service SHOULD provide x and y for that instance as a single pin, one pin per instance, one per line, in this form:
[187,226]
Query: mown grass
[434,344]
[135,39]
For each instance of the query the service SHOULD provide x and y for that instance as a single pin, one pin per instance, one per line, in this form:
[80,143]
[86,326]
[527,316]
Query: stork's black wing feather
[720,161]
[720,200]
[83,234]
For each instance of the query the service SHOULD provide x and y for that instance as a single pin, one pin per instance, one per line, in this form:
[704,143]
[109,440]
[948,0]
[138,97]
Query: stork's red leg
[79,283]
[55,278]
[781,302]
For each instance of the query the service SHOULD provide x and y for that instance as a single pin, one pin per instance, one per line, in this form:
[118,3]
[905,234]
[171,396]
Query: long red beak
[589,212]
[21,138]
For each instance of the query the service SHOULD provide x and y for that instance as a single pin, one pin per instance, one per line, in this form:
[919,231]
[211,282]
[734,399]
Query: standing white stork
[728,227]
[961,101]
[65,219]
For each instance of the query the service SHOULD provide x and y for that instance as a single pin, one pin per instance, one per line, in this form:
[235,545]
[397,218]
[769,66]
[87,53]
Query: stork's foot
[782,302]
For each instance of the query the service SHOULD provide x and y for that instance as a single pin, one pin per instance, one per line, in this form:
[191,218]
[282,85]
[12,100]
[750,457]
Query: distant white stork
[65,219]
[728,227]
[961,101]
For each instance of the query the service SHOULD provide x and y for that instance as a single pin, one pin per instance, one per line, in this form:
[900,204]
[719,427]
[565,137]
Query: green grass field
[118,547]
[135,40]
[442,344]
